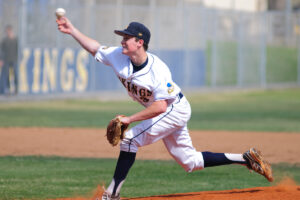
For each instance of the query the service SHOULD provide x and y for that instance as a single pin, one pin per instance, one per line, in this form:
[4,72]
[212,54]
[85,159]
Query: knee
[192,163]
[190,167]
[129,146]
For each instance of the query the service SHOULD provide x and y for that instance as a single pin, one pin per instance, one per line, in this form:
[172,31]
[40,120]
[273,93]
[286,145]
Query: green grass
[281,64]
[263,110]
[54,177]
[63,113]
[227,58]
[270,110]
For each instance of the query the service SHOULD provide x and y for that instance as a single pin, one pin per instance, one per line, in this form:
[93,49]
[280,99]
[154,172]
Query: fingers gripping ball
[115,131]
[60,12]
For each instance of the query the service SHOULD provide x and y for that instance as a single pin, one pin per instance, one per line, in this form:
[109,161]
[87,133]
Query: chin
[124,51]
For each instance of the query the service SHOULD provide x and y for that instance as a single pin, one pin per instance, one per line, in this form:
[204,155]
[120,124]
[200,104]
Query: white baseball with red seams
[152,83]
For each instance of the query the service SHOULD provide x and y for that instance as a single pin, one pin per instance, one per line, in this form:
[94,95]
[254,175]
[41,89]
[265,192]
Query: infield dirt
[286,190]
[71,142]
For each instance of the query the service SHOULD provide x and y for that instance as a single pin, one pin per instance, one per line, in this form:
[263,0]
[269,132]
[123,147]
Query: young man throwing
[148,81]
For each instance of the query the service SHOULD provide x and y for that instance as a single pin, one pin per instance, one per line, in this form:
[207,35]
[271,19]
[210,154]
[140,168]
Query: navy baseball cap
[136,29]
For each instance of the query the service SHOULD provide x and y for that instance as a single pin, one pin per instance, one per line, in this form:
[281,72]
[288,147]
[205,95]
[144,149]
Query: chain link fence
[203,47]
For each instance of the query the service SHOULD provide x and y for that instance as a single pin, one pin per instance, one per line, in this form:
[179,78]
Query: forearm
[65,26]
[87,43]
[154,110]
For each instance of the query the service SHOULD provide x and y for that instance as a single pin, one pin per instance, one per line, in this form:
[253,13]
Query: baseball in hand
[60,12]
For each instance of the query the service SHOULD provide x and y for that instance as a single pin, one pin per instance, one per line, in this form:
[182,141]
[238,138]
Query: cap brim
[122,33]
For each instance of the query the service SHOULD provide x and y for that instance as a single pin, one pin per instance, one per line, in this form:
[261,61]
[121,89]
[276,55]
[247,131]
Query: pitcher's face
[130,44]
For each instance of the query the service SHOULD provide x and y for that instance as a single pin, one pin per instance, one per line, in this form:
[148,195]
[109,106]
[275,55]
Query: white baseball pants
[171,127]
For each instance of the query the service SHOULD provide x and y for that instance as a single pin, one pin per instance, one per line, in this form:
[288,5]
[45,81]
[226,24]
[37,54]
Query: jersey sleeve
[165,88]
[104,54]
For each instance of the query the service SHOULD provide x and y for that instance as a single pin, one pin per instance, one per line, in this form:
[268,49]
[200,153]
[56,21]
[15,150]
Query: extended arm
[89,44]
[154,110]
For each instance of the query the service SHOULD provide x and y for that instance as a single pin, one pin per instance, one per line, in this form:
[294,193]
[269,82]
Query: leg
[4,78]
[1,80]
[216,159]
[180,147]
[125,161]
[253,159]
[10,71]
[16,77]
[147,132]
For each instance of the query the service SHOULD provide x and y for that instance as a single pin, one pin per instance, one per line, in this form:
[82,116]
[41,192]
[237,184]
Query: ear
[140,42]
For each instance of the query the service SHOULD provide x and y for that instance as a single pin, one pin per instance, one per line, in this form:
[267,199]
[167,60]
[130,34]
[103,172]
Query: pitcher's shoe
[107,196]
[256,162]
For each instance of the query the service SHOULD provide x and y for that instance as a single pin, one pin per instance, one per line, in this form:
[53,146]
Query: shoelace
[105,196]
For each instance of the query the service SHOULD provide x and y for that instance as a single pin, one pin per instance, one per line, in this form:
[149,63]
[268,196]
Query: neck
[139,59]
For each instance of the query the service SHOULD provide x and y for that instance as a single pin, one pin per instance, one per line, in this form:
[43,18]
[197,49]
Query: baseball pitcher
[166,112]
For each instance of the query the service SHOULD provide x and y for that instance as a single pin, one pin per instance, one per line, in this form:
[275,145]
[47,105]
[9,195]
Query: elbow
[93,53]
[159,107]
[162,108]
[94,50]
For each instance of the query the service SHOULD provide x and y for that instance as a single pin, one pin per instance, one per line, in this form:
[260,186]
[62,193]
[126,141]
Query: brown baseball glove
[115,130]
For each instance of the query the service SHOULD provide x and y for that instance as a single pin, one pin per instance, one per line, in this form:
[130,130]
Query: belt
[180,95]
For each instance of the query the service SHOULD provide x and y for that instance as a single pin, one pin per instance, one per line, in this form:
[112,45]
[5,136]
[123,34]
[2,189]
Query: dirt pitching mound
[285,190]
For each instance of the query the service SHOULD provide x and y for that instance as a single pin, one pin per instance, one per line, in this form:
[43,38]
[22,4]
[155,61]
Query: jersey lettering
[133,89]
[128,86]
[141,93]
[144,94]
[123,81]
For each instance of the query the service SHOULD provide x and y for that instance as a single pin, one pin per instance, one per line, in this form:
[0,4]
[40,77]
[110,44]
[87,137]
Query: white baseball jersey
[141,86]
[152,83]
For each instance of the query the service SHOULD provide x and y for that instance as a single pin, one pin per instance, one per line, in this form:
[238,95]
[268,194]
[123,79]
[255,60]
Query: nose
[123,41]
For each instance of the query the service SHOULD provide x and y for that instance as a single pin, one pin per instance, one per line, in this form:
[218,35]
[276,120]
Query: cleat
[108,196]
[256,162]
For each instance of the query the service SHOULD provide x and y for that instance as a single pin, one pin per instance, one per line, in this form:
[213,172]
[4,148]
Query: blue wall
[46,71]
